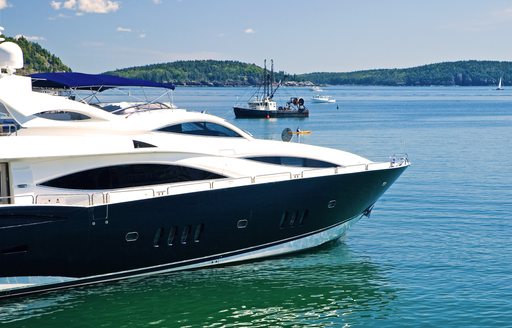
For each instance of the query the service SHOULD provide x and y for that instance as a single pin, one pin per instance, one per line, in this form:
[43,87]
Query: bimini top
[97,82]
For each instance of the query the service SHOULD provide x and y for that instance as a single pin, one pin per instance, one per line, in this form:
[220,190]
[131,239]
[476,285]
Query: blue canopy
[82,81]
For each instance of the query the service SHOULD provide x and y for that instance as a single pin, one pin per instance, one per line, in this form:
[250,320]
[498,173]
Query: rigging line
[257,92]
[244,96]
[278,85]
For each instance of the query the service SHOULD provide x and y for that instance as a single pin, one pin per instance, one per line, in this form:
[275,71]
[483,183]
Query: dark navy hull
[151,235]
[280,113]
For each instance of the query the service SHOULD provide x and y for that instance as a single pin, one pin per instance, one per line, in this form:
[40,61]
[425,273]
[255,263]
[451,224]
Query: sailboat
[500,87]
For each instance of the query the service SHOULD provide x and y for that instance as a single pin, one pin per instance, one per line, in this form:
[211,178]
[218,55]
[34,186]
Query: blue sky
[301,36]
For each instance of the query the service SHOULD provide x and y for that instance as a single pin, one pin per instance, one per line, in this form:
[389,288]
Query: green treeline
[217,73]
[235,73]
[462,73]
[198,72]
[37,59]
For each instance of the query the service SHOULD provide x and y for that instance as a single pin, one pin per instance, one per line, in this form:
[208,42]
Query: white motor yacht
[90,196]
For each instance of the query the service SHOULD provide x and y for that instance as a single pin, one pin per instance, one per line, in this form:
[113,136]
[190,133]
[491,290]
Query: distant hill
[235,73]
[37,59]
[216,73]
[198,72]
[462,73]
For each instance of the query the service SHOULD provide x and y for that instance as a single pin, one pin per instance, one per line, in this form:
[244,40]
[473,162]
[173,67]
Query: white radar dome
[11,56]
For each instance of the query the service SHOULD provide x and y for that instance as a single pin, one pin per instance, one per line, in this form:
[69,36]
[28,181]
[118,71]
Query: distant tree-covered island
[228,73]
[199,72]
[459,73]
[236,73]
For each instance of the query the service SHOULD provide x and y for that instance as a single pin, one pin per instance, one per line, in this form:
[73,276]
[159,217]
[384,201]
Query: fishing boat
[89,196]
[323,99]
[262,104]
[500,86]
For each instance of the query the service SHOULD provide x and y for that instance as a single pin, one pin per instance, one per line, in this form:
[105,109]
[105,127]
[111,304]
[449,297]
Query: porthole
[293,217]
[131,236]
[172,236]
[184,234]
[331,204]
[158,237]
[242,224]
[197,232]
[283,219]
[303,216]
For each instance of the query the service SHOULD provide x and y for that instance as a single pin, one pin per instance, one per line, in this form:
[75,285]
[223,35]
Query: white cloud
[249,31]
[86,6]
[30,38]
[59,16]
[55,5]
[98,6]
[504,13]
[157,2]
[70,4]
[123,29]
[4,4]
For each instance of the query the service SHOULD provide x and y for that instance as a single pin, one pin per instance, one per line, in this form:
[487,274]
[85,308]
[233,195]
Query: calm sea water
[436,252]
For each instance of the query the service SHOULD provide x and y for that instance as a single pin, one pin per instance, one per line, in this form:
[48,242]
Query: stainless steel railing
[108,197]
[8,129]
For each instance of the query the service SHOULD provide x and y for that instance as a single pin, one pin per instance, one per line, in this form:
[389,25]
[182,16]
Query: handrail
[8,129]
[102,198]
[397,160]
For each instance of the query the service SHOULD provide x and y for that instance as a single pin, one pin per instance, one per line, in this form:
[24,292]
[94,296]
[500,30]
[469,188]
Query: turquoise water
[436,251]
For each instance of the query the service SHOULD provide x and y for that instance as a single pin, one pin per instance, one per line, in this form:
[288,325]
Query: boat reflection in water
[328,287]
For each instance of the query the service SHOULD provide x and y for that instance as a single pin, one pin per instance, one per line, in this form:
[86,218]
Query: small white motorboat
[323,99]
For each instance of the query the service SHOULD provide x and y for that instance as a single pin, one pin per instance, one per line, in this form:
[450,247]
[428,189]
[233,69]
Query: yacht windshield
[293,161]
[201,129]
